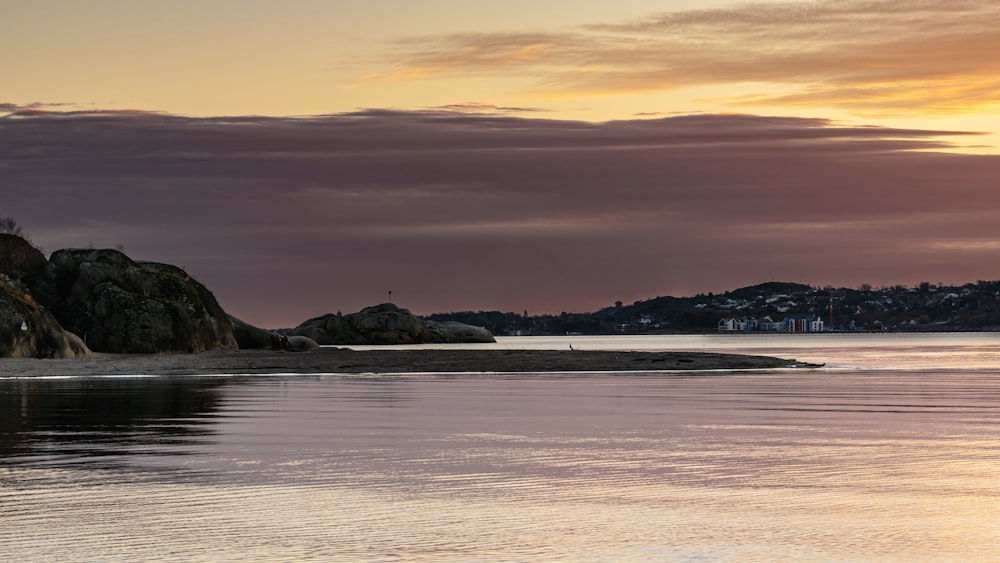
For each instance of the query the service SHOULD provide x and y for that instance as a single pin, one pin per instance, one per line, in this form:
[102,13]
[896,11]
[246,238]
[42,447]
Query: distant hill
[926,307]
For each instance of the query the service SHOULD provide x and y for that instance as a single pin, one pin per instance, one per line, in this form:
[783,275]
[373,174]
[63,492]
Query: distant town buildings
[771,307]
[791,324]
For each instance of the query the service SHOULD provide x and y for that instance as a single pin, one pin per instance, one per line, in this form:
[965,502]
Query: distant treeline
[925,307]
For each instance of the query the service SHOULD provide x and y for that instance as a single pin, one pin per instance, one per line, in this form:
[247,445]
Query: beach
[388,361]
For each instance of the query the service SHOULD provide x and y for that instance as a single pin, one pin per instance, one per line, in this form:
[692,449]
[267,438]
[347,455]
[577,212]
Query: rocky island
[98,312]
[81,301]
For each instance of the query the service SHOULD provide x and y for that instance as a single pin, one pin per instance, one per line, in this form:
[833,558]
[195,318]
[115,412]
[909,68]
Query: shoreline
[346,361]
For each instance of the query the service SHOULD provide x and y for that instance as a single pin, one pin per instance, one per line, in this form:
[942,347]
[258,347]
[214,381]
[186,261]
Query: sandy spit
[337,360]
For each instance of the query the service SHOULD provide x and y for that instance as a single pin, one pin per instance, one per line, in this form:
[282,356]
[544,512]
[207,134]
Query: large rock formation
[123,306]
[385,324]
[115,304]
[19,260]
[111,303]
[28,330]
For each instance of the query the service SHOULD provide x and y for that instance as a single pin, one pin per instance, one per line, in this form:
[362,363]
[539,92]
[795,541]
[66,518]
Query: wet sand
[337,360]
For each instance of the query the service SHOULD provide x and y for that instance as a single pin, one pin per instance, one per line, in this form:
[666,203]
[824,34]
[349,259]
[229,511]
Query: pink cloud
[288,218]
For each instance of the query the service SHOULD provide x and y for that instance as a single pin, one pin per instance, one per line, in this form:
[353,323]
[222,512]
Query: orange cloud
[873,57]
[477,107]
[465,53]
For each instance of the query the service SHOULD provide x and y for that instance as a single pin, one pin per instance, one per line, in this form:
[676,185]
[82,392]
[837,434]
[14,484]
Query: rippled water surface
[890,453]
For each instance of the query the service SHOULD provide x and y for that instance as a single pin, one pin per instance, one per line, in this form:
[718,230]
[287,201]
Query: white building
[793,324]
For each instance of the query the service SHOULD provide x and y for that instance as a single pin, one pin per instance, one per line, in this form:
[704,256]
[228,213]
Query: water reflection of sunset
[886,463]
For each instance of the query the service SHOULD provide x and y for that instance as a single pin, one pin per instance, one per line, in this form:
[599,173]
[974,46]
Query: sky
[306,157]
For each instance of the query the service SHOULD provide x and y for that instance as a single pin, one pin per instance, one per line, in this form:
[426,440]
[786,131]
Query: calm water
[890,453]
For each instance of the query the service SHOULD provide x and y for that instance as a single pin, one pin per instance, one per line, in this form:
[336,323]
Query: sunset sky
[308,156]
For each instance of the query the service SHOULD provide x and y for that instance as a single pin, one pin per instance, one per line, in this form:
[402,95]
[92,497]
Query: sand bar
[337,360]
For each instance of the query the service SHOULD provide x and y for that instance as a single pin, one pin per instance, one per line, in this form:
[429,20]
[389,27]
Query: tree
[9,226]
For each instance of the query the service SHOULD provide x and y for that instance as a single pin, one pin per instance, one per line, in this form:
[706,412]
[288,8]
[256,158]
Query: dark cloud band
[287,218]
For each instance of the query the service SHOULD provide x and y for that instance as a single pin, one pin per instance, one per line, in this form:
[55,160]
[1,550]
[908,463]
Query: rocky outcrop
[250,337]
[28,330]
[453,331]
[102,300]
[116,305]
[19,260]
[123,306]
[384,324]
[300,344]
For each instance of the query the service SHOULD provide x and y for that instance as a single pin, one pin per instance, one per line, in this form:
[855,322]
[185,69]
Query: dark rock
[250,337]
[384,324]
[20,260]
[388,324]
[328,329]
[300,344]
[453,331]
[122,306]
[28,330]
